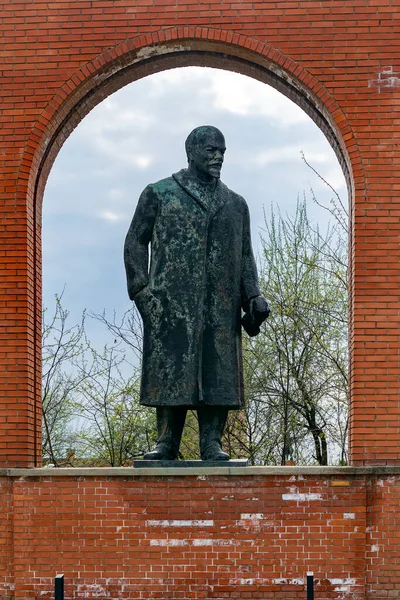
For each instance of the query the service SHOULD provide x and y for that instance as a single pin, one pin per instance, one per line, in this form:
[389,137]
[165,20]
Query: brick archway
[336,62]
[178,47]
[137,58]
[339,61]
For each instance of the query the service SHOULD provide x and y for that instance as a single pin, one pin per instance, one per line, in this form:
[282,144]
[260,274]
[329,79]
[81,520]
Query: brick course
[203,535]
[339,60]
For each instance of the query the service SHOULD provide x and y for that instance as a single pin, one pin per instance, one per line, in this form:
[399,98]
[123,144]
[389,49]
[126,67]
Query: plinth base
[147,464]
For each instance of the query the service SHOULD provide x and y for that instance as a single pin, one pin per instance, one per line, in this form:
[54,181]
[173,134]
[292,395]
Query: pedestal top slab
[185,464]
[203,469]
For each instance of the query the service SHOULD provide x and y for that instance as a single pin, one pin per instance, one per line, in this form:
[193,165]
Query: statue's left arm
[253,302]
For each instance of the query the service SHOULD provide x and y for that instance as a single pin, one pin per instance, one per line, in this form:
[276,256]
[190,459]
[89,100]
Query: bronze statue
[202,273]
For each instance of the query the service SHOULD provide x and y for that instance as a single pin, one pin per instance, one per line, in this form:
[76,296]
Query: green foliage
[114,428]
[296,369]
[91,411]
[61,346]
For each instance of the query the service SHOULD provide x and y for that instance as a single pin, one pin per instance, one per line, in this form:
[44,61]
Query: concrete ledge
[186,464]
[372,471]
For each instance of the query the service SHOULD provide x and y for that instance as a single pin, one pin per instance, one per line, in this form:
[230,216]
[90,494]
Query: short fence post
[59,587]
[310,586]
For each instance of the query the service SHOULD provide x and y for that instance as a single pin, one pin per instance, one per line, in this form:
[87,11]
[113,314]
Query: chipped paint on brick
[387,78]
[180,523]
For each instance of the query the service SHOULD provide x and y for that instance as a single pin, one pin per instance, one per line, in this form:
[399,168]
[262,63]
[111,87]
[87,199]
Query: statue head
[205,149]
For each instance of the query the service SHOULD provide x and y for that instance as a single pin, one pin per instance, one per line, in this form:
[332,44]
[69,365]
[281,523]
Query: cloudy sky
[136,137]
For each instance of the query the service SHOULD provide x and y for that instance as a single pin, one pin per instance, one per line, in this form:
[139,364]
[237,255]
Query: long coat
[202,272]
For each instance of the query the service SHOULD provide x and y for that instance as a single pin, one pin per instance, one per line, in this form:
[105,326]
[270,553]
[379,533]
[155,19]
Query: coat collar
[199,192]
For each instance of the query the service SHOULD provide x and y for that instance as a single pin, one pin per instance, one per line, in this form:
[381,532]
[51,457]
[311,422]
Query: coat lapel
[220,197]
[197,192]
[191,187]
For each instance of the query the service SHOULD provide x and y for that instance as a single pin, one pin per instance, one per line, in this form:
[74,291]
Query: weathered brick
[252,536]
[341,55]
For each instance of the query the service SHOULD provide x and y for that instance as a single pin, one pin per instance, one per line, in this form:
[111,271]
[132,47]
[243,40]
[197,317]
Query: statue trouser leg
[212,420]
[170,422]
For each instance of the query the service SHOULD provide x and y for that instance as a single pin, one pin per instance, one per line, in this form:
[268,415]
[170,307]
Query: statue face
[207,155]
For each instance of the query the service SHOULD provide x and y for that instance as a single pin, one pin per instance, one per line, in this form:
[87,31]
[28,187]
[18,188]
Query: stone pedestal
[200,533]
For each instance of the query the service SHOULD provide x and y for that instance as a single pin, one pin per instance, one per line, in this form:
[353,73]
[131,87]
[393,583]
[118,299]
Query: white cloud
[289,153]
[334,176]
[177,77]
[122,152]
[115,131]
[251,98]
[111,115]
[108,215]
[230,92]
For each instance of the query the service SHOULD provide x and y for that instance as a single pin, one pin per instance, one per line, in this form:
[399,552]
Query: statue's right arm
[136,250]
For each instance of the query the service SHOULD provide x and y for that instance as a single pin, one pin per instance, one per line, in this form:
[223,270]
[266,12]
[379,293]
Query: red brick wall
[203,536]
[383,537]
[339,59]
[127,537]
[6,538]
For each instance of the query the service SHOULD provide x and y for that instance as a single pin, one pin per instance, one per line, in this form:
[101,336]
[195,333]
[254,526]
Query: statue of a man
[201,275]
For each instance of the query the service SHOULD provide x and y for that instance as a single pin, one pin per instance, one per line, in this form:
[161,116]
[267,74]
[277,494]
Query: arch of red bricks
[340,61]
[220,48]
[336,60]
[140,56]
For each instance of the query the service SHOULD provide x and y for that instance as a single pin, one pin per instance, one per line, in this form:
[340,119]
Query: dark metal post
[59,587]
[310,586]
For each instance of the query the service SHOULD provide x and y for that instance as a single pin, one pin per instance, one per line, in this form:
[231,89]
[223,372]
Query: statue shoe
[161,452]
[214,452]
